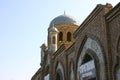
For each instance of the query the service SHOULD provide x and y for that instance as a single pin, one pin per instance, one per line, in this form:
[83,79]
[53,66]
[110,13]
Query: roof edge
[90,17]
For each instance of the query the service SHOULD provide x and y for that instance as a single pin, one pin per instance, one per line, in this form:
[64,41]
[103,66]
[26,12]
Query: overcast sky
[23,28]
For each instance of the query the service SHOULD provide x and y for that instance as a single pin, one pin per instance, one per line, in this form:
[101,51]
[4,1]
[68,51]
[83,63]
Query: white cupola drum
[52,34]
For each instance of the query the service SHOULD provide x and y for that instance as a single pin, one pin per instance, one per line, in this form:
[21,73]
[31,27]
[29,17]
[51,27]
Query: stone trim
[97,62]
[70,49]
[69,69]
[101,55]
[62,48]
[113,13]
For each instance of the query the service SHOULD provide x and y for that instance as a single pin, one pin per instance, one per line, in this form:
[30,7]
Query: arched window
[59,72]
[53,40]
[88,66]
[68,36]
[60,36]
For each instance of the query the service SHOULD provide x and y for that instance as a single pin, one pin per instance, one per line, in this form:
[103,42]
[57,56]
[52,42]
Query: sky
[23,29]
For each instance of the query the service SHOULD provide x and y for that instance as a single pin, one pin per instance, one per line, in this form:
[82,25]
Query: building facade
[90,51]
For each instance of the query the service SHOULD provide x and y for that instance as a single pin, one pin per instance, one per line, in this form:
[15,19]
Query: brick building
[90,51]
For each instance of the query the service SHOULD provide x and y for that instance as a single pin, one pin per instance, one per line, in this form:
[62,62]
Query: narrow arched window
[68,36]
[60,36]
[53,40]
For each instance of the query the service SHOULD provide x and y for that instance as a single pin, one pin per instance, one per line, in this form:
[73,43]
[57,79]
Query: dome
[63,19]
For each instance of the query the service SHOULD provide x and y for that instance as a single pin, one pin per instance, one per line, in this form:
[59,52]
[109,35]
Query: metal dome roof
[64,19]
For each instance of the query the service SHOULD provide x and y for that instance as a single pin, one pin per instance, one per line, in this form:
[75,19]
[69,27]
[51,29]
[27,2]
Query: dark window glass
[86,58]
[58,77]
[68,36]
[60,36]
[53,40]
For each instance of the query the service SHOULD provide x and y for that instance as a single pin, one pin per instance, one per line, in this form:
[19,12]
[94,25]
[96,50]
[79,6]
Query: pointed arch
[59,70]
[58,76]
[91,47]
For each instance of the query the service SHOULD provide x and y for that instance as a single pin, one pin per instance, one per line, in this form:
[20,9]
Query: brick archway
[94,49]
[59,71]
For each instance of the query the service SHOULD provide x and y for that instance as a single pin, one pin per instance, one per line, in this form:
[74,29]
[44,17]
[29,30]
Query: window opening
[86,58]
[68,36]
[53,40]
[60,36]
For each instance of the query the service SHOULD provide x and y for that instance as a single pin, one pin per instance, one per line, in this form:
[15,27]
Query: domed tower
[66,25]
[52,39]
